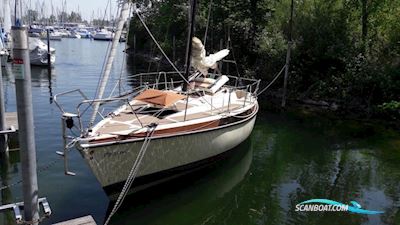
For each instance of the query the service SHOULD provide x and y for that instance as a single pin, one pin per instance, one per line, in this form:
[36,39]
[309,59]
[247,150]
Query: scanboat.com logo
[320,205]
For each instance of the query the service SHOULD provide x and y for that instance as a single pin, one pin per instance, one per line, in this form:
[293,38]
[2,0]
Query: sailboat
[38,50]
[167,127]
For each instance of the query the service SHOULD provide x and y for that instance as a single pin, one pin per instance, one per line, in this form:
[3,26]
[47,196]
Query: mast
[122,18]
[7,16]
[283,104]
[192,21]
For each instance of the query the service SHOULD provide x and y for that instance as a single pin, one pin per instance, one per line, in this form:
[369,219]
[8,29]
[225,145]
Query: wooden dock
[86,220]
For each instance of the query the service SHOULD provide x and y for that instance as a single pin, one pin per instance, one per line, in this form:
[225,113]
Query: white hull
[75,36]
[53,38]
[102,38]
[38,52]
[111,163]
[41,59]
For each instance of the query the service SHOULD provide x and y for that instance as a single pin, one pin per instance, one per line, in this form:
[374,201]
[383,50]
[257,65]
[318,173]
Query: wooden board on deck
[86,220]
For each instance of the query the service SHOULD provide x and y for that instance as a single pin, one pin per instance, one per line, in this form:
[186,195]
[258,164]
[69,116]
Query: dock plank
[86,220]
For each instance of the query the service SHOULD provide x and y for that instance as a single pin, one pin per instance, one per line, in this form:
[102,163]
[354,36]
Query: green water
[289,158]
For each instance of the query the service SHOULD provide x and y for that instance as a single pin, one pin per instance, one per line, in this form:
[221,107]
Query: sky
[86,7]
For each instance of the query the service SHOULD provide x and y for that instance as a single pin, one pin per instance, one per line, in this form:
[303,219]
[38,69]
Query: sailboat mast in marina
[7,16]
[167,126]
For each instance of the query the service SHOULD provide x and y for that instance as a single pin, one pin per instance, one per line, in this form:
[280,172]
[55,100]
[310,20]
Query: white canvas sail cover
[202,62]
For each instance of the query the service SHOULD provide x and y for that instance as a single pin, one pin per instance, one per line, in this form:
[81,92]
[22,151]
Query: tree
[63,17]
[75,17]
[32,15]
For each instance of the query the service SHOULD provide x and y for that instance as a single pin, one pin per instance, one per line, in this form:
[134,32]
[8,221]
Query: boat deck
[127,122]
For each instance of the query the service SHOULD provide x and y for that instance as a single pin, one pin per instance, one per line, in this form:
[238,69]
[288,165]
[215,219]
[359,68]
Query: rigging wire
[234,58]
[123,65]
[104,59]
[208,22]
[108,52]
[158,45]
[273,80]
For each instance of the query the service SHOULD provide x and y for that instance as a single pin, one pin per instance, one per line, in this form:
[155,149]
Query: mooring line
[133,172]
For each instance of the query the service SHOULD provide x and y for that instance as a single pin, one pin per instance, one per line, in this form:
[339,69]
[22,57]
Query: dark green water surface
[289,158]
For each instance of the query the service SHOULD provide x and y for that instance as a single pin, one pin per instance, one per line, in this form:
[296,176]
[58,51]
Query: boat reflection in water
[186,193]
[43,78]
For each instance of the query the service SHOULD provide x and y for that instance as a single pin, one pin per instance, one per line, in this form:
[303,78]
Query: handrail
[65,93]
[157,80]
[251,86]
[172,72]
[107,100]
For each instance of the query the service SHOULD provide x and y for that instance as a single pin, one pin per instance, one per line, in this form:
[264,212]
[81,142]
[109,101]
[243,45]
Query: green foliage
[347,51]
[393,105]
[391,109]
[32,16]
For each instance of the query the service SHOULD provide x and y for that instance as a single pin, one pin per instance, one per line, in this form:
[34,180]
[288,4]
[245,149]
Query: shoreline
[329,110]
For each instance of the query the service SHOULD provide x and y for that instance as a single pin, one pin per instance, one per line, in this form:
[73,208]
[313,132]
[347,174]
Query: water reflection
[43,77]
[9,168]
[287,159]
[201,188]
[292,159]
[318,158]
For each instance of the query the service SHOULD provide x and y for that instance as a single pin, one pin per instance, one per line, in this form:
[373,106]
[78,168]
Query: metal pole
[173,49]
[107,69]
[192,17]
[48,49]
[220,47]
[287,57]
[134,44]
[228,43]
[22,73]
[65,150]
[3,126]
[189,42]
[15,12]
[49,65]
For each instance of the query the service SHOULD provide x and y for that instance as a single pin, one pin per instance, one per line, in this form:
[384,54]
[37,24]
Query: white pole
[22,73]
[122,18]
[7,16]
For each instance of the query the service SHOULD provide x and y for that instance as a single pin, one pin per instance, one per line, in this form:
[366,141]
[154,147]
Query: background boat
[38,52]
[103,35]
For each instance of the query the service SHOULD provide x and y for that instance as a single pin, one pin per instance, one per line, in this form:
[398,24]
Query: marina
[260,182]
[98,134]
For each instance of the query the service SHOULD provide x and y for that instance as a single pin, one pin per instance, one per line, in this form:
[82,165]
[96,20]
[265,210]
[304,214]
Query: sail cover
[157,97]
[202,62]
